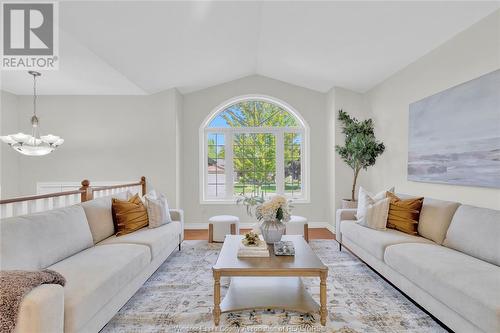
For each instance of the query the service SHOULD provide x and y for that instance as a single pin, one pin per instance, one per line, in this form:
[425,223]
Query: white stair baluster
[10,209]
[45,204]
[39,205]
[18,208]
[31,206]
[4,211]
[56,202]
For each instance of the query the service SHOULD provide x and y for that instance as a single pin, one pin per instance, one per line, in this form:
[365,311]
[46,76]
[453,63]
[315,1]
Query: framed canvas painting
[454,135]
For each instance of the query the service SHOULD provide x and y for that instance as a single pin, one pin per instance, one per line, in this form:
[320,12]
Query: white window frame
[228,139]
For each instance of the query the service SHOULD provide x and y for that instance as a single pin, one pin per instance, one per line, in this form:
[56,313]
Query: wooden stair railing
[37,203]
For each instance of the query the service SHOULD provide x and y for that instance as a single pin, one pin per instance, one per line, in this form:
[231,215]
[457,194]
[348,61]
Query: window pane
[254,163]
[293,172]
[253,153]
[212,151]
[254,114]
[221,153]
[216,178]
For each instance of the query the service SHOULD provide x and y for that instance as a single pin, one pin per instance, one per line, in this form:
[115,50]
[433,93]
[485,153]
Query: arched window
[253,145]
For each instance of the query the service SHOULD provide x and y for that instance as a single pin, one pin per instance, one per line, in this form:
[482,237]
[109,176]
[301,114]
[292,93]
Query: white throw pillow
[167,210]
[158,211]
[366,198]
[376,215]
[151,194]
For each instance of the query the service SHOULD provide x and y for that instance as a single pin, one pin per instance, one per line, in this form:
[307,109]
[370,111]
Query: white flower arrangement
[275,209]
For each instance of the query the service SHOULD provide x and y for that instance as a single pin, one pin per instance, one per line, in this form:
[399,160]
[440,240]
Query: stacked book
[258,250]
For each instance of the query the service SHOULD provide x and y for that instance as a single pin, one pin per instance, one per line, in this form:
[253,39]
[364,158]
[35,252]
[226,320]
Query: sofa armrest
[178,215]
[42,310]
[342,215]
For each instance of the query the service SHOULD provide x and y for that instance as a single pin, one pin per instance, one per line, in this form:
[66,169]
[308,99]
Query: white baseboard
[249,225]
[331,228]
[314,225]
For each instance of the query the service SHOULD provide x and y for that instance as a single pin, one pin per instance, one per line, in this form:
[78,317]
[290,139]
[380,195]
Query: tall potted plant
[360,150]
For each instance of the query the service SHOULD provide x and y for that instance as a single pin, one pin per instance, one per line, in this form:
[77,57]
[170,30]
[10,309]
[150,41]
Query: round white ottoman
[298,226]
[221,225]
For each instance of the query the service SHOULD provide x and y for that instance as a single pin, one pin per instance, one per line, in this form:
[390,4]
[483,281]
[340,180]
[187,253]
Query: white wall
[198,105]
[9,159]
[178,100]
[470,54]
[331,123]
[107,138]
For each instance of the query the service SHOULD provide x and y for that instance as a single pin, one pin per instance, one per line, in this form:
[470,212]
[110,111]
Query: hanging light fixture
[34,144]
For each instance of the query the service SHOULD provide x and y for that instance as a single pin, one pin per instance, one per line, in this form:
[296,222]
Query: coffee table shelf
[247,293]
[265,283]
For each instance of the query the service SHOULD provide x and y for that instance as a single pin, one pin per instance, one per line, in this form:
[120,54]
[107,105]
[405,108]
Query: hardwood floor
[201,234]
[320,233]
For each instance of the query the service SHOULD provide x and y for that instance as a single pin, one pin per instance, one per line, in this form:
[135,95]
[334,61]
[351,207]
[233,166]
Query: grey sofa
[102,271]
[451,269]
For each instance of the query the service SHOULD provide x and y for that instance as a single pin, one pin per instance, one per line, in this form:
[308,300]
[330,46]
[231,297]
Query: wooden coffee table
[269,283]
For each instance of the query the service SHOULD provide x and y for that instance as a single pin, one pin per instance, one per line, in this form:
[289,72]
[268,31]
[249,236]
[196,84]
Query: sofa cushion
[94,276]
[376,241]
[476,232]
[158,211]
[404,213]
[36,241]
[129,215]
[375,216]
[467,285]
[366,199]
[156,239]
[99,216]
[435,218]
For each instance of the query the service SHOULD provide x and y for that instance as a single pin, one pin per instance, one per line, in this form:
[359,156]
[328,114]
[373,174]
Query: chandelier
[34,144]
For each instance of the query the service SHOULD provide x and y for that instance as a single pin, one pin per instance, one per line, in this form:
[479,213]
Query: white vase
[272,231]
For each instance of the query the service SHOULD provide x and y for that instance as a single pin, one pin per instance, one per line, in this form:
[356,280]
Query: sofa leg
[340,246]
[210,233]
[179,246]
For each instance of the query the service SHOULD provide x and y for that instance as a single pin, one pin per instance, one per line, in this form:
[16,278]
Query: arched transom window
[253,146]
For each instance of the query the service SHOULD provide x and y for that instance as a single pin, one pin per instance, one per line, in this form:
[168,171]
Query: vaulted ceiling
[138,47]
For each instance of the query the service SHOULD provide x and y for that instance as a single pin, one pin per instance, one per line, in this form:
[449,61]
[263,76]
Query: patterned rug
[178,297]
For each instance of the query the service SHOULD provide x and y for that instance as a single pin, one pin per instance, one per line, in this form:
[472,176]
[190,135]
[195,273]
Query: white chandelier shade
[34,144]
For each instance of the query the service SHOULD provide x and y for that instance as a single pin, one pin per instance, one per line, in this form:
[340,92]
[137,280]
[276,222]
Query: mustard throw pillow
[129,215]
[404,214]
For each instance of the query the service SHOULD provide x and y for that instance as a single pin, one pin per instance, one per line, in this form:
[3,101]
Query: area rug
[179,297]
